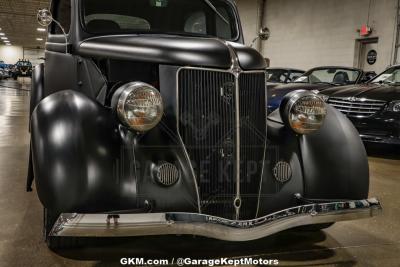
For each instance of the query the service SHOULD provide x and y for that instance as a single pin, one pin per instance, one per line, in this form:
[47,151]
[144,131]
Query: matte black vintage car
[316,79]
[152,120]
[374,107]
[23,68]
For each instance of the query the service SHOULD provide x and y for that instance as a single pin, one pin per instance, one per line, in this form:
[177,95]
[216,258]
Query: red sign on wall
[365,30]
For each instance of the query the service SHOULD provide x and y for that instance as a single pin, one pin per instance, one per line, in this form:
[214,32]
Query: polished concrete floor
[372,242]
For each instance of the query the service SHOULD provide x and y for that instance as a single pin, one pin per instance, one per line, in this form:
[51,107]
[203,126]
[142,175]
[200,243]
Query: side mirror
[264,34]
[44,17]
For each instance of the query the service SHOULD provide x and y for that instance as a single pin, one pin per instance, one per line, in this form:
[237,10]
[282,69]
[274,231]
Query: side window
[196,23]
[224,30]
[62,13]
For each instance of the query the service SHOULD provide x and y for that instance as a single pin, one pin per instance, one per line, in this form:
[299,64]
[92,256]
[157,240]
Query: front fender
[74,148]
[335,162]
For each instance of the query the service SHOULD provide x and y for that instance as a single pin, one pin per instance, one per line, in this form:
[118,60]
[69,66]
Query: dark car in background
[316,79]
[374,107]
[276,76]
[23,68]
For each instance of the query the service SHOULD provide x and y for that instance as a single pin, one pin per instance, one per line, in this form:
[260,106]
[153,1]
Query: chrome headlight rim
[394,106]
[289,102]
[119,102]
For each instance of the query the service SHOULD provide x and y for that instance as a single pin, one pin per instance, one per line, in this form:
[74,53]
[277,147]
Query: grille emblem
[282,171]
[167,174]
[353,99]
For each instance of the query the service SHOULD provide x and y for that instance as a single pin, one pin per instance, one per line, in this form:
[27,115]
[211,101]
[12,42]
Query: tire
[314,227]
[56,242]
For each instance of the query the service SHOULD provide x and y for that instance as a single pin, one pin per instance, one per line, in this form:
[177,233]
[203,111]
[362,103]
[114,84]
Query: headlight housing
[138,106]
[303,111]
[394,106]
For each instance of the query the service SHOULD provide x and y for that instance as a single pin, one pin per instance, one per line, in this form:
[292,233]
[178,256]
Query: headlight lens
[139,106]
[304,111]
[395,106]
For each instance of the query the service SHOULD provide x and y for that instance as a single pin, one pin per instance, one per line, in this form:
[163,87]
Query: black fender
[74,150]
[330,164]
[85,161]
[335,161]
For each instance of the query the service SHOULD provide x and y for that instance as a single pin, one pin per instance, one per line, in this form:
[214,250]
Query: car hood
[177,50]
[371,91]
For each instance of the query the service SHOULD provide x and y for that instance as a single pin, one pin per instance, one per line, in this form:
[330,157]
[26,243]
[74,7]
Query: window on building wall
[62,13]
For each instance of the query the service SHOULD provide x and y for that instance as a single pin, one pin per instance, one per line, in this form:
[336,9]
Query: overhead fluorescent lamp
[41,29]
[4,38]
[39,39]
[6,41]
[2,34]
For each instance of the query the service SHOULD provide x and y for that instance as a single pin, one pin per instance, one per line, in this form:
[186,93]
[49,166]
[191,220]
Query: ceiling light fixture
[41,29]
[39,39]
[6,41]
[4,38]
[2,34]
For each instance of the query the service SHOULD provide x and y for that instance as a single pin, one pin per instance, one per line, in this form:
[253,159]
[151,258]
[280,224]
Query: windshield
[213,18]
[390,76]
[334,76]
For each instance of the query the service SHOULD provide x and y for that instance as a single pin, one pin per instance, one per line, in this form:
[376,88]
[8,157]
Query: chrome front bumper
[103,225]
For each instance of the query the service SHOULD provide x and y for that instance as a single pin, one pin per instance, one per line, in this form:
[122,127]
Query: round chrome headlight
[303,111]
[138,105]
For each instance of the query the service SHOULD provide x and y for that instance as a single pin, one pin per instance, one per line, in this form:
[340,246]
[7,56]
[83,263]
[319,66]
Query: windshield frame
[309,72]
[394,68]
[235,17]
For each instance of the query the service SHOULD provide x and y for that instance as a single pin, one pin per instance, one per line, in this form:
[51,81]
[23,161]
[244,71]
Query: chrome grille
[356,107]
[207,125]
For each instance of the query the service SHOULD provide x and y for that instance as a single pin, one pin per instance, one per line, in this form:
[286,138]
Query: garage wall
[249,11]
[10,54]
[309,33]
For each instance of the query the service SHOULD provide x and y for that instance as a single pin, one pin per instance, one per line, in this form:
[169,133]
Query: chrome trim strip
[265,146]
[236,71]
[103,225]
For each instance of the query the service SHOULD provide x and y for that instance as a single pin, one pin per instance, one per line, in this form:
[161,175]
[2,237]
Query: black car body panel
[171,50]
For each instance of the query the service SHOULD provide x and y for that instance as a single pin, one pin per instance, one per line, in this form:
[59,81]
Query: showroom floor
[373,242]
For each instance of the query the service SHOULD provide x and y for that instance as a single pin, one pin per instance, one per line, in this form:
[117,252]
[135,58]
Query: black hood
[174,50]
[371,91]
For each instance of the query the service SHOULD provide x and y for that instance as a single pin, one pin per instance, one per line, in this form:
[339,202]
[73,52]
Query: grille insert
[207,125]
[356,107]
[167,174]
